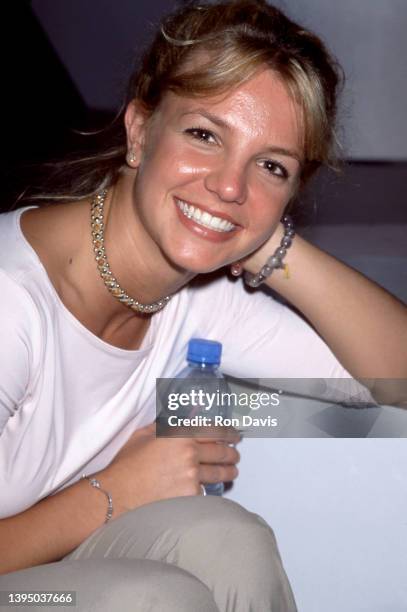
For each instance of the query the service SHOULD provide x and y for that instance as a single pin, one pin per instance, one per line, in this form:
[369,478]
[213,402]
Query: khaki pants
[188,554]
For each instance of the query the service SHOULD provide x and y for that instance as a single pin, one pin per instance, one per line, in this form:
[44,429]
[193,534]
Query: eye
[275,168]
[201,134]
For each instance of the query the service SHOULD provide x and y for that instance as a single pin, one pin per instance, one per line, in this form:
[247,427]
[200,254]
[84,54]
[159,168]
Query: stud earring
[131,157]
[236,268]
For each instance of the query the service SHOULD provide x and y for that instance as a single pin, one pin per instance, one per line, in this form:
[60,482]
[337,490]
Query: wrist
[275,259]
[108,480]
[255,260]
[95,483]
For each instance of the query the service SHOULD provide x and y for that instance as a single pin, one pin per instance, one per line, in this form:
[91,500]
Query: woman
[231,112]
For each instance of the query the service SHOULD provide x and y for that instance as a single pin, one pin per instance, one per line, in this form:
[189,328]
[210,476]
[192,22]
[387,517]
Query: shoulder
[20,271]
[16,257]
[20,274]
[24,286]
[218,295]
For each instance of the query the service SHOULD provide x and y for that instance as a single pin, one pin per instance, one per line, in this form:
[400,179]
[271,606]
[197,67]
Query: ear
[135,120]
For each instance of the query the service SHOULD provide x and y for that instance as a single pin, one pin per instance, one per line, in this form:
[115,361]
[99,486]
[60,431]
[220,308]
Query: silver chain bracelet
[96,484]
[276,260]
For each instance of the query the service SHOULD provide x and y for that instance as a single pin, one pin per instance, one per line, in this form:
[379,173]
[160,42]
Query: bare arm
[146,469]
[51,529]
[364,325]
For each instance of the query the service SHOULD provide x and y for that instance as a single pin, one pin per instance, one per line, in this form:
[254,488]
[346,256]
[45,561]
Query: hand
[148,468]
[255,260]
[217,458]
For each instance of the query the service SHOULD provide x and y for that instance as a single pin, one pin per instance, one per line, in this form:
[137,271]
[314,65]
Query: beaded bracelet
[276,260]
[95,483]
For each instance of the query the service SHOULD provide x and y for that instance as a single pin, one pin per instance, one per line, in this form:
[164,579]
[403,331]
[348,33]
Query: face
[215,174]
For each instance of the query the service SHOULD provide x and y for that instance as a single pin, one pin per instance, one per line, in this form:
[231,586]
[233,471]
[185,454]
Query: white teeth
[204,218]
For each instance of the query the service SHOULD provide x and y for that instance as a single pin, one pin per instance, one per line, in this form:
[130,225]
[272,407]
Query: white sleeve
[15,347]
[264,339]
[261,337]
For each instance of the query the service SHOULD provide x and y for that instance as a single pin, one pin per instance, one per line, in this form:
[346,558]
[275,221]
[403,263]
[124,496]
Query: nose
[228,181]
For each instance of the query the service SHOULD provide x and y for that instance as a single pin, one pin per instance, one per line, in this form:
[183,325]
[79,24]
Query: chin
[200,268]
[196,261]
[194,264]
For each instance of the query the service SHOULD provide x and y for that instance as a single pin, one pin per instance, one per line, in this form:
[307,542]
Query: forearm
[145,470]
[365,326]
[52,528]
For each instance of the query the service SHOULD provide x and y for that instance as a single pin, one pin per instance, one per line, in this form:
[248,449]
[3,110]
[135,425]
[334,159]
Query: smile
[201,217]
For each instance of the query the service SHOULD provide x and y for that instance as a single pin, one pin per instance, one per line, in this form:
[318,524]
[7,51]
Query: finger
[229,435]
[217,453]
[217,473]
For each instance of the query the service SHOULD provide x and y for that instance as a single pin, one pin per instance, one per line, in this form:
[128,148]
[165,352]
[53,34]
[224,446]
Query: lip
[200,230]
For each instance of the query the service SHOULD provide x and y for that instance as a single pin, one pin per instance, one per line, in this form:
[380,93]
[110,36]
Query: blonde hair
[236,38]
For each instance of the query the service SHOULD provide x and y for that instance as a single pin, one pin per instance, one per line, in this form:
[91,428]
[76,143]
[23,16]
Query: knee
[235,552]
[235,533]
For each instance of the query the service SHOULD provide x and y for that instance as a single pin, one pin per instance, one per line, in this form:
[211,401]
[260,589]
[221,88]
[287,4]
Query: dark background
[42,108]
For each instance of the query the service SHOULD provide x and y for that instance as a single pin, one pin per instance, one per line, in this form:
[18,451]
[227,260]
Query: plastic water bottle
[203,359]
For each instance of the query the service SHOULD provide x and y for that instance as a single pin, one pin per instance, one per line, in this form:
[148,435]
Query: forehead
[262,106]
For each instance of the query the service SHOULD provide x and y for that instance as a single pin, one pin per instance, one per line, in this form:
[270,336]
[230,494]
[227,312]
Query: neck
[136,262]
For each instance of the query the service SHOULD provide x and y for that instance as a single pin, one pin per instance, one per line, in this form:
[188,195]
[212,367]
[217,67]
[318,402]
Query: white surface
[339,511]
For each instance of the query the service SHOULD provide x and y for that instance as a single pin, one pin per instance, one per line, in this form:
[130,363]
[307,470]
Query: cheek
[267,210]
[188,164]
[266,232]
[168,158]
[167,171]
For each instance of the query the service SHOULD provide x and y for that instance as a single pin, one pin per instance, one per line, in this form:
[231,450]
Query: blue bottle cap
[204,351]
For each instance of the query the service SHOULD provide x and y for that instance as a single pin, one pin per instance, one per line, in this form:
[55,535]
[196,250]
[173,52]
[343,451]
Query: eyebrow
[223,124]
